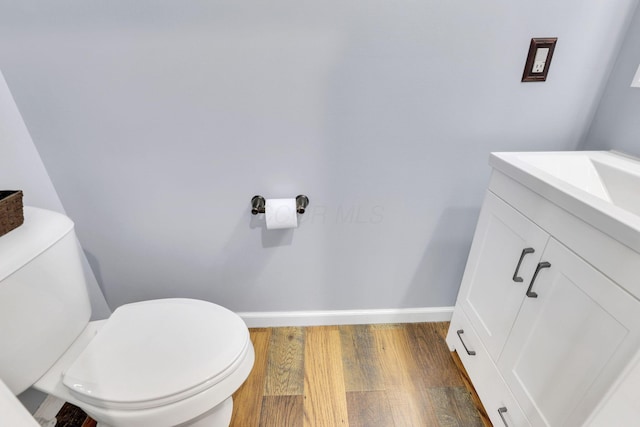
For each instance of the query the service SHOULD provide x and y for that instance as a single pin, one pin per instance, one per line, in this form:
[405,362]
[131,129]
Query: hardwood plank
[282,411]
[247,400]
[361,366]
[324,394]
[369,409]
[441,328]
[285,363]
[454,407]
[437,368]
[377,326]
[409,405]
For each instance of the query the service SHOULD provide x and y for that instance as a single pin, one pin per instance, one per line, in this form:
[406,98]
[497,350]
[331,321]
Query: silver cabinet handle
[540,266]
[469,352]
[502,411]
[525,251]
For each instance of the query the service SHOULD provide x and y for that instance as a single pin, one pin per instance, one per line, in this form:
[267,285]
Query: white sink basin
[610,177]
[600,187]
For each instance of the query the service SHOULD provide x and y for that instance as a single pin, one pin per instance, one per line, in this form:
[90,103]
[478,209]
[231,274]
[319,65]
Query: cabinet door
[491,292]
[570,341]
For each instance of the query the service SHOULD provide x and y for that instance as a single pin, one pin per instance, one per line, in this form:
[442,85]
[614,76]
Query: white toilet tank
[43,297]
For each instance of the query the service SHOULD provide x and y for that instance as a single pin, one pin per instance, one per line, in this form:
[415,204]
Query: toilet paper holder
[258,204]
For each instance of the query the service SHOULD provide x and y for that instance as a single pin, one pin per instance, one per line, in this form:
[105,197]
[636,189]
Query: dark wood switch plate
[539,59]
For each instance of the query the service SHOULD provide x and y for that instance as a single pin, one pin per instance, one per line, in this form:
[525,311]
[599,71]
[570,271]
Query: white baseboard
[267,319]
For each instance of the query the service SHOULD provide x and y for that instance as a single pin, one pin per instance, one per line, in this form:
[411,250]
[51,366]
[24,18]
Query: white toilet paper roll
[280,213]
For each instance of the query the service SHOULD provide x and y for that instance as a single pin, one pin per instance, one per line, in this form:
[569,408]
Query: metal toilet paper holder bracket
[258,204]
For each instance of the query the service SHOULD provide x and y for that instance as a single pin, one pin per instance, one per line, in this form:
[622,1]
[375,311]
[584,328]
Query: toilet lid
[156,352]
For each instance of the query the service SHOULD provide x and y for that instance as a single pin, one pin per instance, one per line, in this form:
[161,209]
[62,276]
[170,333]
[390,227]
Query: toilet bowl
[167,362]
[156,363]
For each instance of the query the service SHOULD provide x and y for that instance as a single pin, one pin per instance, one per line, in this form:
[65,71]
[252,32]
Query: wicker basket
[11,215]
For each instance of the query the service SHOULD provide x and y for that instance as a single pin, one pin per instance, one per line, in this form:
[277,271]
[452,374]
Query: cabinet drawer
[486,379]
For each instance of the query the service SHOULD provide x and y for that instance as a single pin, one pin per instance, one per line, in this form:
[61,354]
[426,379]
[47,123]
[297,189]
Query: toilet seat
[154,353]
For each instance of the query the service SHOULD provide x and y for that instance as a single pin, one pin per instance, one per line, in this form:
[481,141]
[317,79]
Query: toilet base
[220,416]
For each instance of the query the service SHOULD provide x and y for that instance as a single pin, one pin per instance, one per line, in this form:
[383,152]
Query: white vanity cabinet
[543,333]
[568,344]
[505,252]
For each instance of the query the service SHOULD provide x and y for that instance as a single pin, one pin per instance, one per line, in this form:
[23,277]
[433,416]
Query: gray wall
[21,168]
[616,124]
[158,120]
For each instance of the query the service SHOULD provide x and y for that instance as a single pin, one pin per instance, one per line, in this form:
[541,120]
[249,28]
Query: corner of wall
[21,167]
[587,141]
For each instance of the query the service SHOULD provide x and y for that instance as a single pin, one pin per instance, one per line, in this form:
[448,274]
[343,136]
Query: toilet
[167,362]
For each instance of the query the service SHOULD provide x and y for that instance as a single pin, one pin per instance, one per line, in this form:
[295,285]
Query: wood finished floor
[399,375]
